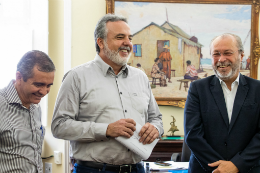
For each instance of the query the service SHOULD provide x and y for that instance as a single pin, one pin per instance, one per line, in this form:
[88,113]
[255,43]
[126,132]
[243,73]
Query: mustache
[124,48]
[223,64]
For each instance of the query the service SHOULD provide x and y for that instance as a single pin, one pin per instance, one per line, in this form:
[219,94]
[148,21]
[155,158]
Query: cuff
[238,161]
[160,135]
[100,131]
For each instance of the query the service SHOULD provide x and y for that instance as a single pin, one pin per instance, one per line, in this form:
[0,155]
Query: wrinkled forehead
[222,43]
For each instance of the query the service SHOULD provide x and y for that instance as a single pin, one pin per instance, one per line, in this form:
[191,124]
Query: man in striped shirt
[21,132]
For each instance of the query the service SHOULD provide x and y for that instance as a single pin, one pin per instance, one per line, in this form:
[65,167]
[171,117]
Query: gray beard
[234,69]
[114,56]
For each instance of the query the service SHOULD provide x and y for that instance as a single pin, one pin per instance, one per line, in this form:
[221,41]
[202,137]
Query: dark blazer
[208,132]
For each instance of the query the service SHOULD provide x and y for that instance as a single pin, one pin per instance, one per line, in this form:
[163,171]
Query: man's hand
[148,134]
[224,167]
[122,127]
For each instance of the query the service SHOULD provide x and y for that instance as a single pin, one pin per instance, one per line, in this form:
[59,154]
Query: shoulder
[80,70]
[132,71]
[205,81]
[250,81]
[3,101]
[2,97]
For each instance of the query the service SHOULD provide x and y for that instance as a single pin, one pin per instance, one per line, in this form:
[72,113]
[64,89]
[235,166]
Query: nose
[222,58]
[127,42]
[44,91]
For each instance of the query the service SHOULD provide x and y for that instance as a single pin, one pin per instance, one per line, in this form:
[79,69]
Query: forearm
[70,129]
[246,159]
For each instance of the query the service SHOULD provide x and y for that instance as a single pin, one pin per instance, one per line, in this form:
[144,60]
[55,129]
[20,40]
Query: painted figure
[243,63]
[140,67]
[248,63]
[166,59]
[191,72]
[156,73]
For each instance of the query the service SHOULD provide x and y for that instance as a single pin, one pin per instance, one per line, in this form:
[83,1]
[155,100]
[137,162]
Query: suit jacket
[208,132]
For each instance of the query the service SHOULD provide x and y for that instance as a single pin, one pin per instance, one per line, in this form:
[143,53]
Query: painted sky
[205,21]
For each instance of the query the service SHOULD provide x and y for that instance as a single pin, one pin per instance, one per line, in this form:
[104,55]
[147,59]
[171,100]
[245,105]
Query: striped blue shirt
[21,134]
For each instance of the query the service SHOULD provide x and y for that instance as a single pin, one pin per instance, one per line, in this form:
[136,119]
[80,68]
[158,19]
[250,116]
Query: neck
[230,81]
[27,105]
[116,68]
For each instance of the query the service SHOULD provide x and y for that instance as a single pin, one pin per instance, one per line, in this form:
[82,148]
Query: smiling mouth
[40,96]
[223,66]
[126,51]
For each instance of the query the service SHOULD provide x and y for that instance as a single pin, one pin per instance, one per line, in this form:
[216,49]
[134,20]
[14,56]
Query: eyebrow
[123,35]
[39,83]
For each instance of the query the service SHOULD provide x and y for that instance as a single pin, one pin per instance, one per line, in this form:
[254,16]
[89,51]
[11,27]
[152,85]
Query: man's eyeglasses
[225,53]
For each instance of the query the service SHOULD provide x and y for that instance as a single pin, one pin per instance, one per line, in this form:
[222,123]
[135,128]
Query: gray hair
[101,29]
[32,58]
[238,41]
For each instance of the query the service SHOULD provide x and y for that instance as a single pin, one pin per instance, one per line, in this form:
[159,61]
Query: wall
[56,41]
[85,14]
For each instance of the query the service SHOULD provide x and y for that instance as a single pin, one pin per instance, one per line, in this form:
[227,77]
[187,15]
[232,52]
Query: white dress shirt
[230,95]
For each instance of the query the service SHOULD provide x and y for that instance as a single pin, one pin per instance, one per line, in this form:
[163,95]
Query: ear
[242,55]
[19,77]
[100,43]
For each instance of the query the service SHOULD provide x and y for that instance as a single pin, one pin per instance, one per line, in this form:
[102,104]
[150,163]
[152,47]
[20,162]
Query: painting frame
[254,45]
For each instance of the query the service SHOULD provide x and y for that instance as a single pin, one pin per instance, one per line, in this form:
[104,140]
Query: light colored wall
[85,14]
[56,49]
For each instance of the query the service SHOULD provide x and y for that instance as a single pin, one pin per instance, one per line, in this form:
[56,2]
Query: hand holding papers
[137,147]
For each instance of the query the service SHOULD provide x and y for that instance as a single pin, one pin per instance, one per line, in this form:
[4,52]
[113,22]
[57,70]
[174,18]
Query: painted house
[149,42]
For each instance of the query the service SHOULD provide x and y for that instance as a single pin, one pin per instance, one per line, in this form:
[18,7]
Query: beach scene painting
[171,40]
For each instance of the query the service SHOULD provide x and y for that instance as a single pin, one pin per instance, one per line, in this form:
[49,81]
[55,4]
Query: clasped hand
[126,127]
[224,167]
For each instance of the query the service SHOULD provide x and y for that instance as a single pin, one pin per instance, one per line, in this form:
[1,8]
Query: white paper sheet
[137,147]
[174,166]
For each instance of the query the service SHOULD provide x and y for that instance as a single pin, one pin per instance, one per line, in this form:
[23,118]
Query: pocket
[40,131]
[139,102]
[249,106]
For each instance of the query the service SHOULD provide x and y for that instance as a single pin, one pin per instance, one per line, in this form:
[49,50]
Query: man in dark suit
[221,116]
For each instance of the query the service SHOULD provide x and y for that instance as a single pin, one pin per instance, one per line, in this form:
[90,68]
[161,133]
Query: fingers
[148,134]
[214,164]
[215,171]
[129,120]
[130,123]
[122,127]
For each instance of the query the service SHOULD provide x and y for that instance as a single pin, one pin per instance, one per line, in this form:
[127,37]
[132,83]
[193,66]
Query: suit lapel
[239,100]
[218,95]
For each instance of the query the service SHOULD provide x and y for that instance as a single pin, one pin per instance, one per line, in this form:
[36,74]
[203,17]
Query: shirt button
[116,76]
[120,93]
[125,110]
[225,144]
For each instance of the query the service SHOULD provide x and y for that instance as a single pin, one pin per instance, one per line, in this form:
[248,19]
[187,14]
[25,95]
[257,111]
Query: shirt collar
[236,81]
[105,68]
[12,96]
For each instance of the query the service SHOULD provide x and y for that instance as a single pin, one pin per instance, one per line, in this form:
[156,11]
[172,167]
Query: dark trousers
[83,169]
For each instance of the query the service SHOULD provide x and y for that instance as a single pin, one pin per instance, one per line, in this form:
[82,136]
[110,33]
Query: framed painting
[169,35]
